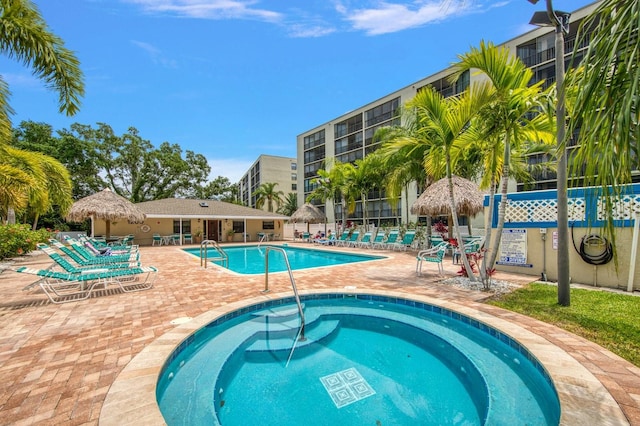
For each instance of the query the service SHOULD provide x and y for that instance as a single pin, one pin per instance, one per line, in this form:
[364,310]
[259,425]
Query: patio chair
[187,237]
[64,287]
[69,267]
[432,255]
[175,239]
[471,246]
[378,241]
[89,252]
[156,240]
[343,238]
[391,239]
[406,242]
[351,240]
[364,241]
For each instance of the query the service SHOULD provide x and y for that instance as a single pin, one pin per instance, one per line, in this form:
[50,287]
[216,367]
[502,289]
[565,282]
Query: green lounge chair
[94,261]
[343,238]
[406,242]
[378,241]
[64,287]
[351,240]
[391,239]
[69,267]
[364,241]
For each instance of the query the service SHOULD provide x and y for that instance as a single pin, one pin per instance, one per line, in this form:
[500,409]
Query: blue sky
[233,79]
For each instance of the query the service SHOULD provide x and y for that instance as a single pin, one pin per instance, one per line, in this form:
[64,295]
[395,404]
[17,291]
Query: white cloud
[231,168]
[393,17]
[209,9]
[155,54]
[300,31]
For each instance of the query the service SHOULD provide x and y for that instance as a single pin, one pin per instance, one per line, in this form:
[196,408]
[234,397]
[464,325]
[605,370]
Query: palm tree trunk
[493,253]
[487,232]
[454,216]
[11,216]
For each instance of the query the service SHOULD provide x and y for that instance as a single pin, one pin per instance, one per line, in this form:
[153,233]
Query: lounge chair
[69,267]
[364,241]
[327,241]
[391,239]
[378,241]
[89,254]
[64,287]
[342,238]
[432,255]
[406,242]
[351,240]
[95,261]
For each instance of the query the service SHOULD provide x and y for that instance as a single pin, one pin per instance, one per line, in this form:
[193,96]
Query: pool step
[280,344]
[278,314]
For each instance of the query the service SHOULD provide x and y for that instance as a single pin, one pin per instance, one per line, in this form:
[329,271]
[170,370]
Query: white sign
[513,247]
[554,240]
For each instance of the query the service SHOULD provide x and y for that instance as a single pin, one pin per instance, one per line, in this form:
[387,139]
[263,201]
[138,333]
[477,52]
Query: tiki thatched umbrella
[434,201]
[105,205]
[308,213]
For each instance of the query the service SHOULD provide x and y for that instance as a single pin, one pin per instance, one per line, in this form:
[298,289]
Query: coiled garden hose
[591,240]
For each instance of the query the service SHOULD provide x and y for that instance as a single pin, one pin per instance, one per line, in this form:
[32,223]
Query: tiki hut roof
[105,205]
[308,213]
[434,201]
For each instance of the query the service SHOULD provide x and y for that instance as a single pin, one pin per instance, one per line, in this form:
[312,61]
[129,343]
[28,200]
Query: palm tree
[26,37]
[505,115]
[332,185]
[444,123]
[289,205]
[266,193]
[57,189]
[606,107]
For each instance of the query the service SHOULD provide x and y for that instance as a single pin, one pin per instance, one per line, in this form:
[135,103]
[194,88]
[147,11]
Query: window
[268,224]
[294,186]
[294,166]
[238,226]
[186,226]
[294,176]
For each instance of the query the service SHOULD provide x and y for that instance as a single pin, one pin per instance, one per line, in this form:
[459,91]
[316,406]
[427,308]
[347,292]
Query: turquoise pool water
[250,259]
[366,360]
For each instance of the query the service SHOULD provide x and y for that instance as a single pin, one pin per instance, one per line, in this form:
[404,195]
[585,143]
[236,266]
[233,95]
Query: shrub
[17,240]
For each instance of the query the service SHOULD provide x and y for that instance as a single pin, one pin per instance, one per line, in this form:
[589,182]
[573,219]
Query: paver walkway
[57,362]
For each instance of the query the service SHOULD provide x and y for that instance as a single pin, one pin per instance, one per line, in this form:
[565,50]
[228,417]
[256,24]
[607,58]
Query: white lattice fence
[624,209]
[543,210]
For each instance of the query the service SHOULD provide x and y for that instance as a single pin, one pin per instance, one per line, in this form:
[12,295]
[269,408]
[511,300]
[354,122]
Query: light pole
[559,20]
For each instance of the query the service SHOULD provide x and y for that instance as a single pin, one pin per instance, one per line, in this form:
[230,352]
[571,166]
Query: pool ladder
[300,336]
[204,254]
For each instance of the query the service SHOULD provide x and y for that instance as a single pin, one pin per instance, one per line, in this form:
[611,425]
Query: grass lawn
[611,320]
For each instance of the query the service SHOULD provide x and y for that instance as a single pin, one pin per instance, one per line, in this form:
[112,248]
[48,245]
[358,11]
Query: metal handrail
[293,284]
[204,253]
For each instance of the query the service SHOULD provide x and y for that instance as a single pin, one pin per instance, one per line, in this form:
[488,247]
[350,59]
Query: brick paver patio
[58,362]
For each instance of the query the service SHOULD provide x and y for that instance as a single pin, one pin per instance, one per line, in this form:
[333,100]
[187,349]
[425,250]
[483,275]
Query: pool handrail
[293,285]
[204,253]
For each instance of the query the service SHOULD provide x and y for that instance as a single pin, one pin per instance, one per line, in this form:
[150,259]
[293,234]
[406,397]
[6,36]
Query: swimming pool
[366,360]
[250,259]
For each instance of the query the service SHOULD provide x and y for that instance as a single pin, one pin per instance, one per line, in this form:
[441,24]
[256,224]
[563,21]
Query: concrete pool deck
[81,363]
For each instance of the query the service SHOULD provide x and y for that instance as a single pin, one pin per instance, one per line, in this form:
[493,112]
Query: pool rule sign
[513,248]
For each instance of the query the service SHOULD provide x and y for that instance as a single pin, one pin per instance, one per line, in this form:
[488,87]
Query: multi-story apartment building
[350,136]
[268,169]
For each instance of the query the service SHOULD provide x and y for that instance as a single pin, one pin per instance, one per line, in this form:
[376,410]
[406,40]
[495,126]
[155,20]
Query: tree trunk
[493,253]
[11,216]
[454,215]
